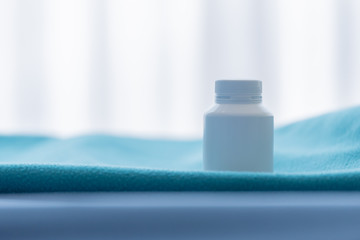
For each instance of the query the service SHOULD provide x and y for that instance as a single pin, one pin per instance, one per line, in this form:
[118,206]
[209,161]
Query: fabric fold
[317,154]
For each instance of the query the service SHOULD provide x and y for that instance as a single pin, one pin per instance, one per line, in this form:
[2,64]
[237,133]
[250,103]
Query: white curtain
[147,67]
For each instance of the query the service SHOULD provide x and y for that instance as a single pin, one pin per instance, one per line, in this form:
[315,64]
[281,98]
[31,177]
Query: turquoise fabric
[321,153]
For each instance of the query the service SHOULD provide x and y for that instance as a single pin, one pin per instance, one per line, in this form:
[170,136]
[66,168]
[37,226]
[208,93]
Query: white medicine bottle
[238,130]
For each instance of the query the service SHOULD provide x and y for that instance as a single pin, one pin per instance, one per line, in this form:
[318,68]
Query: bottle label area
[238,143]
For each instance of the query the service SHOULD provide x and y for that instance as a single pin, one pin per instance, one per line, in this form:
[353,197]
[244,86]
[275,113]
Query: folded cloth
[321,153]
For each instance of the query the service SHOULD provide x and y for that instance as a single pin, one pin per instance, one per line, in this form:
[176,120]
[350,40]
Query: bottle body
[238,137]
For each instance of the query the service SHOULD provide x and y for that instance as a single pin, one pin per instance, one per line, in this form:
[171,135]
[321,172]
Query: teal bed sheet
[321,153]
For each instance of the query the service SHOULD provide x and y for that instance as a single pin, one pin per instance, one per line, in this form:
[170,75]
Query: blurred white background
[147,68]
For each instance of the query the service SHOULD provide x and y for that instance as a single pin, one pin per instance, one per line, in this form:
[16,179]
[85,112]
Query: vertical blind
[147,68]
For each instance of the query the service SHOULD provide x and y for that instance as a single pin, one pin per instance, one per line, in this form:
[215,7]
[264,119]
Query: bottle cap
[238,91]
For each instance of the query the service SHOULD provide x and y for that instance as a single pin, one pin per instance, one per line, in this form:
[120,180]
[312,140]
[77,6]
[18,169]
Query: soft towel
[321,153]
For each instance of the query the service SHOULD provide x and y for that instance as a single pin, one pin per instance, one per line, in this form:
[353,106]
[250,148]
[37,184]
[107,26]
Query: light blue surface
[322,153]
[179,215]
